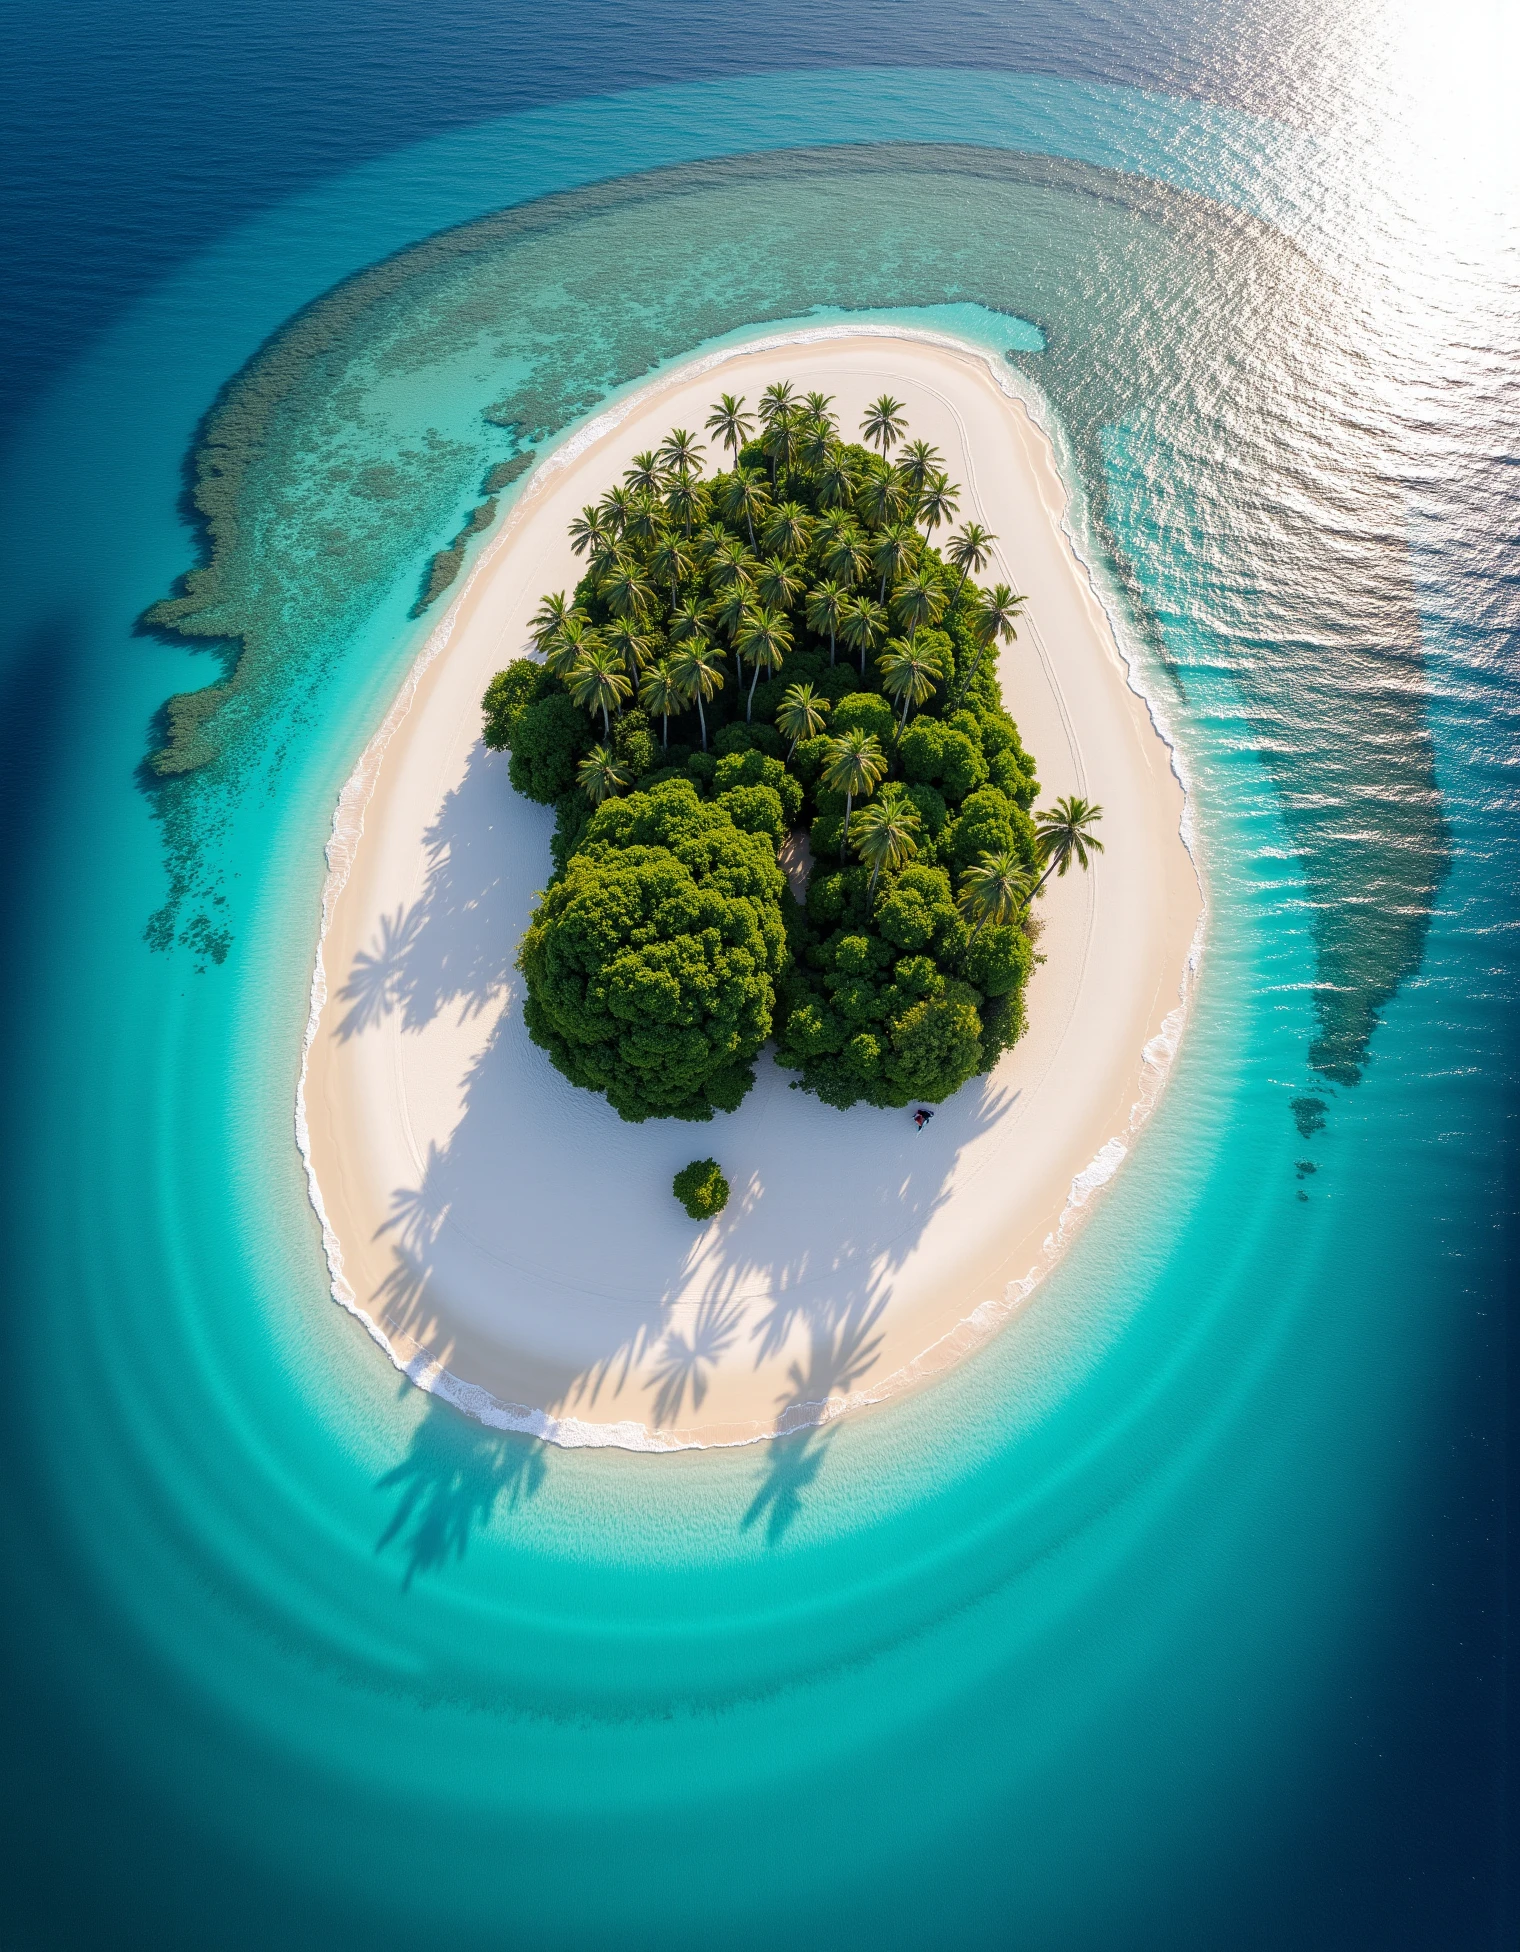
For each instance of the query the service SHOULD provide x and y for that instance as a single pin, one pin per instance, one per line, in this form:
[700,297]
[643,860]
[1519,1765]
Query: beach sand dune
[511,1241]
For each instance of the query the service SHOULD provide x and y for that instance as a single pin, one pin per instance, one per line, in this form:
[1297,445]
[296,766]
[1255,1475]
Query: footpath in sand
[511,1241]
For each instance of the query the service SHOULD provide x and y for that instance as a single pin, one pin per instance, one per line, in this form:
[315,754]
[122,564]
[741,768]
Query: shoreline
[424,1349]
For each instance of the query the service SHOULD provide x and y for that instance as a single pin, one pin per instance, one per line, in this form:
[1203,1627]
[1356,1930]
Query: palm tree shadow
[453,946]
[839,1358]
[454,1475]
[790,1470]
[377,981]
[684,1361]
[815,1288]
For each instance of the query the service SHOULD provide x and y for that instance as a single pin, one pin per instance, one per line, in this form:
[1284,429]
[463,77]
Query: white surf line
[348,827]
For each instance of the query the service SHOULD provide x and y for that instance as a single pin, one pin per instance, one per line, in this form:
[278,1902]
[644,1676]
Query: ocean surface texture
[1174,1617]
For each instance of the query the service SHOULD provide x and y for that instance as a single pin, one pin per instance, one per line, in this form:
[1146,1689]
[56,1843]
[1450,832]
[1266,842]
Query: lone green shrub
[701,1188]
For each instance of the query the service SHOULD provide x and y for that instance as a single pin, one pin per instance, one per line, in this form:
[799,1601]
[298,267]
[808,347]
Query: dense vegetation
[774,647]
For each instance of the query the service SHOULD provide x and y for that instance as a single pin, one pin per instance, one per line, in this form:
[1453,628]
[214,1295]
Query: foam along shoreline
[506,1238]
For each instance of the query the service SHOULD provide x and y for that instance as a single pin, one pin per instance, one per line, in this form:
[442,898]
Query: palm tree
[800,715]
[816,440]
[938,501]
[646,474]
[918,599]
[673,562]
[659,692]
[817,405]
[1065,834]
[601,774]
[614,507]
[917,462]
[994,889]
[787,532]
[683,502]
[825,609]
[884,424]
[691,623]
[681,452]
[575,638]
[833,477]
[764,639]
[854,765]
[588,530]
[709,539]
[779,584]
[688,622]
[731,564]
[598,683]
[628,591]
[846,553]
[730,615]
[891,551]
[642,523]
[776,400]
[907,676]
[994,618]
[548,621]
[698,676]
[742,494]
[781,441]
[881,496]
[862,625]
[732,425]
[630,644]
[886,835]
[970,548]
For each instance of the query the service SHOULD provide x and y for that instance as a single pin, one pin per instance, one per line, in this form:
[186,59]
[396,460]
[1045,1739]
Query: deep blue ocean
[1179,1616]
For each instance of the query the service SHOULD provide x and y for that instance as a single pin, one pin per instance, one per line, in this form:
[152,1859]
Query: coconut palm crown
[886,836]
[802,714]
[601,774]
[884,423]
[854,767]
[994,888]
[1065,834]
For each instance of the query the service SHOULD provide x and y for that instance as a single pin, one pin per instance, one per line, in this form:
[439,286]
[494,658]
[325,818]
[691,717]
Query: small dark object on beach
[922,1116]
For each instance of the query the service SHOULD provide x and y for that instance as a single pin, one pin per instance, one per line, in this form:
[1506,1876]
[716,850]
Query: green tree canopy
[735,608]
[701,1188]
[651,966]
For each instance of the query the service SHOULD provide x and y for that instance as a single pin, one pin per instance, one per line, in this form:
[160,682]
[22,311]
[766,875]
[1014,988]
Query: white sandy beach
[511,1241]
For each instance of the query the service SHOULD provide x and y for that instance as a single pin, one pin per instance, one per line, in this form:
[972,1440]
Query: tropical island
[738,824]
[825,668]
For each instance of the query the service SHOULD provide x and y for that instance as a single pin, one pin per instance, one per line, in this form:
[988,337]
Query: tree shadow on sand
[815,1298]
[452,946]
[798,1274]
[454,1475]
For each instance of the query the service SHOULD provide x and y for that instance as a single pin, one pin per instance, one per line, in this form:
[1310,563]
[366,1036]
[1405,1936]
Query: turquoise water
[1096,1642]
